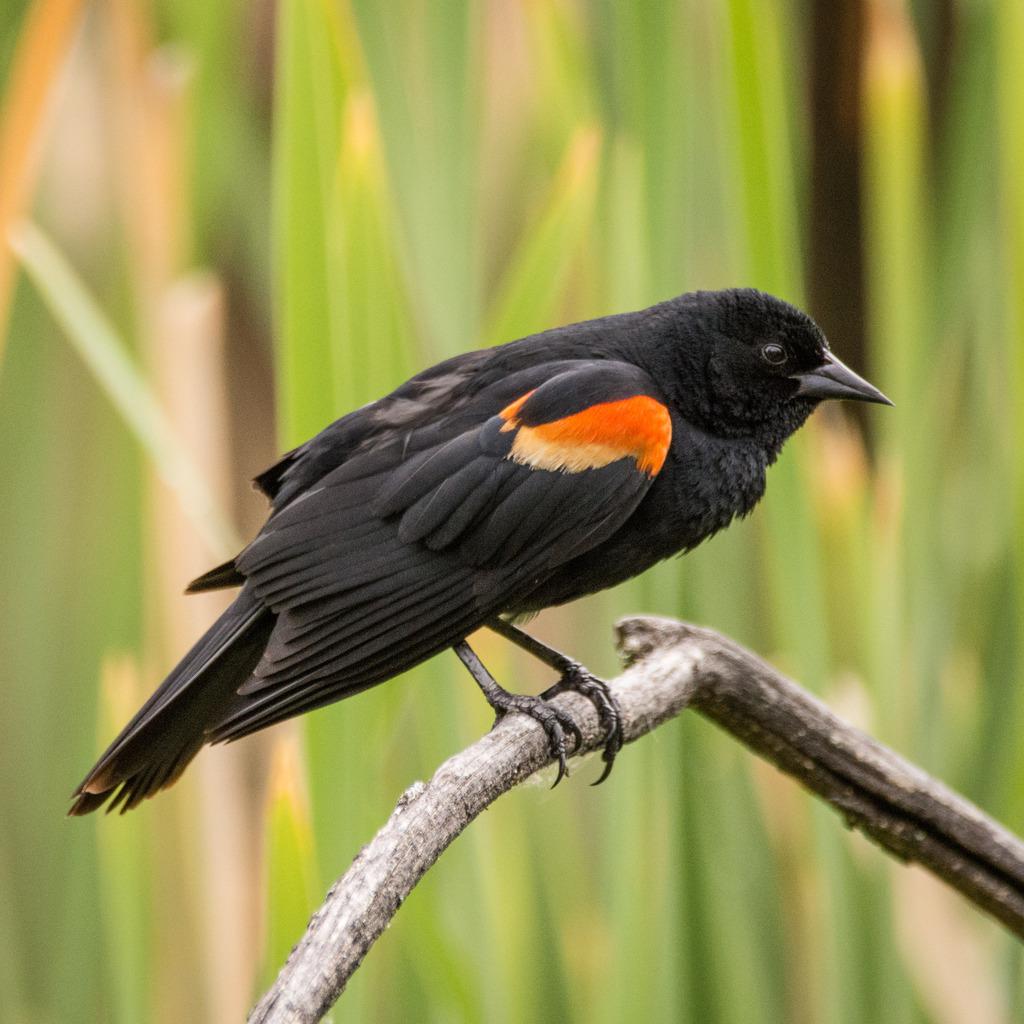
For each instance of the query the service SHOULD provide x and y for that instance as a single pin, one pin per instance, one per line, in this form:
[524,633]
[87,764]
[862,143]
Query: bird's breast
[704,484]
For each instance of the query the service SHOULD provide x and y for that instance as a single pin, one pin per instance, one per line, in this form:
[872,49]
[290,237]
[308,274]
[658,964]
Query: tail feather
[170,728]
[218,578]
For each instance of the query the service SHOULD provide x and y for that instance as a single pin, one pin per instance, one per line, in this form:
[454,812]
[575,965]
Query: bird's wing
[450,385]
[392,558]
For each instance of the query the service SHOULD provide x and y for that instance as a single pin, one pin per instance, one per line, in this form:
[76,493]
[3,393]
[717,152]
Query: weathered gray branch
[673,666]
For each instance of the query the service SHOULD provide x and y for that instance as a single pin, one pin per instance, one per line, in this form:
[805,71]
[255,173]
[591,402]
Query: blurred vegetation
[256,216]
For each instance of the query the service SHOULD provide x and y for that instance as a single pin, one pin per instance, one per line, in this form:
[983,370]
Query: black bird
[494,484]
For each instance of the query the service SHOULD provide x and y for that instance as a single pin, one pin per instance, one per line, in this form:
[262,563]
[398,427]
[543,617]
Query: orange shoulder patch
[594,437]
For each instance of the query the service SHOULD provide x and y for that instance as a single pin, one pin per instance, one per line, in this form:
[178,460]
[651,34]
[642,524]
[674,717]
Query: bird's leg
[577,678]
[555,722]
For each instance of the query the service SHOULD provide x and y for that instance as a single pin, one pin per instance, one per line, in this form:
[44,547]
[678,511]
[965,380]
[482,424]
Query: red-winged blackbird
[494,484]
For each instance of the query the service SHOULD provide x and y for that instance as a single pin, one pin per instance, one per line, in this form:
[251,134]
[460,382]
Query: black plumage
[493,484]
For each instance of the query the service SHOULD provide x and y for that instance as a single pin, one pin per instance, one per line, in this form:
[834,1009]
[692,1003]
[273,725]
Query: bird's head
[765,364]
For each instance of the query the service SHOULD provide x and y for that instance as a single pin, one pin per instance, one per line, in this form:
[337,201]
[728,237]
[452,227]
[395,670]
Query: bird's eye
[773,353]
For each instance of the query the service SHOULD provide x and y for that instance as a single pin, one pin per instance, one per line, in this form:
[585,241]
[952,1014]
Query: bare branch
[673,666]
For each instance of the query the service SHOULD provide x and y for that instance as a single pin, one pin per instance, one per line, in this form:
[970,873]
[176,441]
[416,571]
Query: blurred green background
[254,216]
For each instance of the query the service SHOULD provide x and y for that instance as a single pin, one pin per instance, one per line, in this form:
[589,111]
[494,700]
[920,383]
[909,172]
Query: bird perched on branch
[494,484]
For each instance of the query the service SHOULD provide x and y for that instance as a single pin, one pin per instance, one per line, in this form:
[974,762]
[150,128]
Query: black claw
[611,751]
[574,731]
[608,762]
[573,677]
[597,691]
[563,766]
[555,723]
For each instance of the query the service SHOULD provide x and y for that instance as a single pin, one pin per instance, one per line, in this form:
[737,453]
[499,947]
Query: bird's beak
[836,380]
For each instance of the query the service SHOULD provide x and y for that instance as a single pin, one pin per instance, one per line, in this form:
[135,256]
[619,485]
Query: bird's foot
[556,723]
[577,679]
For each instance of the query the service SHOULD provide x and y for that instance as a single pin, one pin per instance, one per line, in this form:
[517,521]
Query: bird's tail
[170,728]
